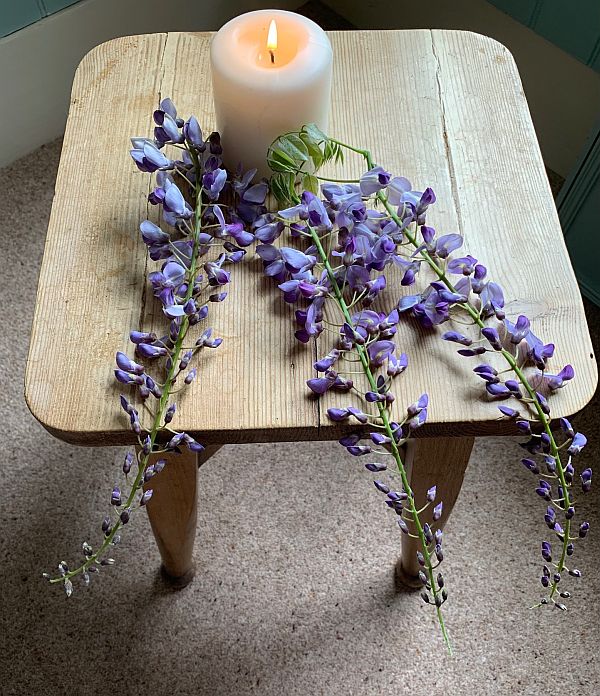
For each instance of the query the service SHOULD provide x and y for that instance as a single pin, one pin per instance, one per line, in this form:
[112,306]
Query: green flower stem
[474,314]
[162,404]
[383,414]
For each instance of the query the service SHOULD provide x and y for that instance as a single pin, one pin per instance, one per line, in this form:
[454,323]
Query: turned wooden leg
[442,462]
[172,512]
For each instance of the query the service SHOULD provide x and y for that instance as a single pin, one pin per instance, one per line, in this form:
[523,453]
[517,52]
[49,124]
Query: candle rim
[304,66]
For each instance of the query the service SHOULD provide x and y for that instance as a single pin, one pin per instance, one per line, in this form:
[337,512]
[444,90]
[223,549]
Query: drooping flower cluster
[207,213]
[335,271]
[528,381]
[356,234]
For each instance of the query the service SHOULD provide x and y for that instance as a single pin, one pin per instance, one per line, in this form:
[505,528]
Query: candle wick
[272,56]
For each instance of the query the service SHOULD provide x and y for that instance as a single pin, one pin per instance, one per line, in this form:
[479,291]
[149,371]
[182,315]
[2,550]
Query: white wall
[563,94]
[37,63]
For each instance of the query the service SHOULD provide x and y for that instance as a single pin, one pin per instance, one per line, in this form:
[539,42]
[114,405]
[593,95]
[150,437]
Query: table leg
[173,514]
[442,462]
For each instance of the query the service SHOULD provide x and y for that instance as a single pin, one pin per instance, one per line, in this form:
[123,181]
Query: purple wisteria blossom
[208,215]
[344,250]
[360,233]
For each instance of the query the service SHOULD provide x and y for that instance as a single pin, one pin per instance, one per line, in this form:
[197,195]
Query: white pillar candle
[265,86]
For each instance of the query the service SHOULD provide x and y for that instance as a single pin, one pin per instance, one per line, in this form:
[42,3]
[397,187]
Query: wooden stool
[444,108]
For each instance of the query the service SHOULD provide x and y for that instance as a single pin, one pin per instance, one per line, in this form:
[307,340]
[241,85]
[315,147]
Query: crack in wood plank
[448,149]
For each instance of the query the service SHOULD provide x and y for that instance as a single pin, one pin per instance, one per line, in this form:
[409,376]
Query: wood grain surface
[444,108]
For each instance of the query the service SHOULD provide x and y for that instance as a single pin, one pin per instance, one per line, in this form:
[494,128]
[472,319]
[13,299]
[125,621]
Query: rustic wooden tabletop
[444,108]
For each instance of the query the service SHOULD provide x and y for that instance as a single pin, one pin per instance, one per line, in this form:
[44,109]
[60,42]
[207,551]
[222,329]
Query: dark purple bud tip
[493,337]
[379,438]
[125,516]
[127,463]
[546,551]
[146,497]
[584,528]
[380,486]
[510,412]
[471,352]
[175,441]
[570,549]
[125,405]
[403,526]
[170,413]
[523,426]
[423,577]
[191,375]
[149,472]
[575,573]
[567,428]
[420,559]
[194,446]
[440,580]
[545,581]
[456,337]
[543,493]
[558,529]
[586,480]
[128,365]
[359,450]
[497,389]
[115,498]
[138,337]
[560,606]
[338,414]
[565,595]
[425,597]
[427,533]
[375,467]
[531,465]
[543,402]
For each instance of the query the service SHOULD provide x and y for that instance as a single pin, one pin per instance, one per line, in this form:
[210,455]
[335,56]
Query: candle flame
[272,36]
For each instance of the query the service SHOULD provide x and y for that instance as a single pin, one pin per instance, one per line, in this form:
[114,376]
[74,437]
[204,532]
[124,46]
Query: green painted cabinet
[521,10]
[579,210]
[573,26]
[53,6]
[17,14]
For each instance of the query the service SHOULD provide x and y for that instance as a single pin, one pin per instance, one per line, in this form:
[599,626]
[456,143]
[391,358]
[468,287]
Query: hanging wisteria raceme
[376,225]
[207,214]
[335,272]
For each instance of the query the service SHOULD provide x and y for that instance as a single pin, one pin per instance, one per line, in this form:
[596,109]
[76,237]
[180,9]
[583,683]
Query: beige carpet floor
[294,592]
